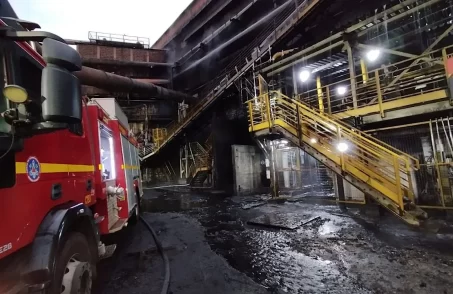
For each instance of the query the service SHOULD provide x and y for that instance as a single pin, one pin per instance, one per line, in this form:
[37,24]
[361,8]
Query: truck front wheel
[73,270]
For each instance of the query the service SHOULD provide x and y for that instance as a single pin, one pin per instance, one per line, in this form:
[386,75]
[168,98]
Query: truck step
[109,250]
[121,223]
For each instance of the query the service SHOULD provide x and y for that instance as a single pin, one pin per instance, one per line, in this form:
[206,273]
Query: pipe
[166,283]
[281,54]
[115,83]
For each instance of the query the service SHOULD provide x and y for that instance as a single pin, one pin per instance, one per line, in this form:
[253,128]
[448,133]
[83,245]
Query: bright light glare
[341,90]
[373,55]
[342,147]
[112,159]
[283,142]
[313,141]
[304,75]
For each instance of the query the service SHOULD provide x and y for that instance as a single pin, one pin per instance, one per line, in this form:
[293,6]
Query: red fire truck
[69,169]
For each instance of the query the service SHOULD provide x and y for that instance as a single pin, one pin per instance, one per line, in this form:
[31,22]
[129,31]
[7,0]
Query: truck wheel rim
[77,278]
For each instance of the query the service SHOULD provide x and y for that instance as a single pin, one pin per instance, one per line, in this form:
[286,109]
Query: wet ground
[310,247]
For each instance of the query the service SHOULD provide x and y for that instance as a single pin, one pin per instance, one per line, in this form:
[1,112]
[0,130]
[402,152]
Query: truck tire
[74,267]
[135,217]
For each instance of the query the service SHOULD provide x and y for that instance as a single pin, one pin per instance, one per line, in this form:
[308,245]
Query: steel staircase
[201,165]
[201,175]
[372,166]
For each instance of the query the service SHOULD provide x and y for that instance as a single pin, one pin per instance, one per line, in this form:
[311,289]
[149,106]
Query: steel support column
[274,182]
[352,74]
[186,154]
[364,70]
[320,95]
[295,90]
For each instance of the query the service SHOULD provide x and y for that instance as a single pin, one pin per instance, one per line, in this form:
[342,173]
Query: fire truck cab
[69,168]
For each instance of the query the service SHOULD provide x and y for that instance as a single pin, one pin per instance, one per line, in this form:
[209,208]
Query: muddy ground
[213,249]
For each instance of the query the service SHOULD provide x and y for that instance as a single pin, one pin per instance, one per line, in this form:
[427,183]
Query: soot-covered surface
[213,249]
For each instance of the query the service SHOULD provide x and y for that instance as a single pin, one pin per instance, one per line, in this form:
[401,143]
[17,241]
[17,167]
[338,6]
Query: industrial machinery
[69,169]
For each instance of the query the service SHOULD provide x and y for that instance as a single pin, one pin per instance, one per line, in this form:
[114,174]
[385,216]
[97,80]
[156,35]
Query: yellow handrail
[369,160]
[386,84]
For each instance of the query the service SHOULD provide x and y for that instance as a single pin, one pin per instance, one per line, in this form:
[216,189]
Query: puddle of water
[312,259]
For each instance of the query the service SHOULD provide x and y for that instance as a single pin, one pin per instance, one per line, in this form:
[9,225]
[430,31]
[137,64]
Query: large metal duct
[114,83]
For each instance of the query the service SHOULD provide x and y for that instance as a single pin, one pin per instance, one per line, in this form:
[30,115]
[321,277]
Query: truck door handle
[89,185]
[56,191]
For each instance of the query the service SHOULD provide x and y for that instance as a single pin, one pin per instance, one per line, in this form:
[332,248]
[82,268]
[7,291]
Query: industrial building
[285,146]
[374,85]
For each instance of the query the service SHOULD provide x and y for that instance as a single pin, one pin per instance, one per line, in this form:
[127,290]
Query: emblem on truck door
[33,169]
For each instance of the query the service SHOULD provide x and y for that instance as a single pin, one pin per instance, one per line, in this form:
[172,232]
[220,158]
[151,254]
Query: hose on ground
[166,284]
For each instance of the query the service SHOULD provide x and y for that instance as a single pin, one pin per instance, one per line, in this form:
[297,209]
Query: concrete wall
[351,193]
[246,169]
[226,133]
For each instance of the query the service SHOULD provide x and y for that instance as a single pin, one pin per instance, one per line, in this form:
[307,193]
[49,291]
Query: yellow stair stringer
[374,167]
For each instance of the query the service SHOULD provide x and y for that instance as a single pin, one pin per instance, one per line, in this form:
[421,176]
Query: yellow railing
[368,160]
[410,81]
[159,135]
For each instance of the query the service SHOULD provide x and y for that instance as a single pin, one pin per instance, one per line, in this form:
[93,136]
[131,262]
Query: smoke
[238,36]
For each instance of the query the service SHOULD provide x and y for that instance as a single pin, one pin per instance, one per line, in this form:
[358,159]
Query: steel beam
[356,27]
[402,103]
[430,47]
[328,65]
[325,49]
[340,34]
[395,52]
[401,15]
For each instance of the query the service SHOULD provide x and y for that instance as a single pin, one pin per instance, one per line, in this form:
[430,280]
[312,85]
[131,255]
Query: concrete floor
[212,249]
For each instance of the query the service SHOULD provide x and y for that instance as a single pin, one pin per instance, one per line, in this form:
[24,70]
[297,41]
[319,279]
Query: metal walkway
[374,167]
[412,82]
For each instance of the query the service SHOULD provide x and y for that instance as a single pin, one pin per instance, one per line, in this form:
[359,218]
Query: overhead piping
[115,83]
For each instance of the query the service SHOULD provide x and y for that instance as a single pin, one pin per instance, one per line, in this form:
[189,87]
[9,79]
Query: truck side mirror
[60,89]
